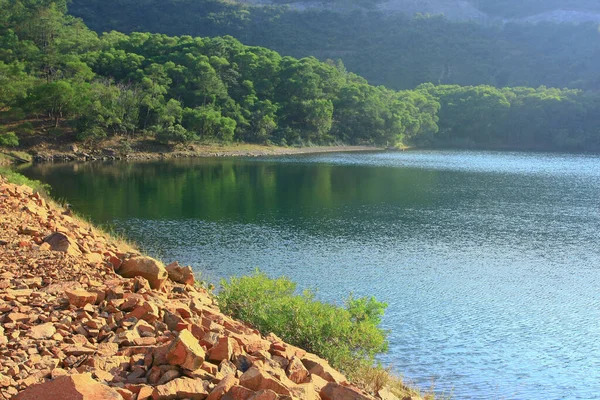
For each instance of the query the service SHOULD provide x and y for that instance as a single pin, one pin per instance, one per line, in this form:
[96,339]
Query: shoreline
[84,313]
[149,151]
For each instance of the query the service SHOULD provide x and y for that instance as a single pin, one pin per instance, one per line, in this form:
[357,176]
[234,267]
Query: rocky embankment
[86,317]
[138,153]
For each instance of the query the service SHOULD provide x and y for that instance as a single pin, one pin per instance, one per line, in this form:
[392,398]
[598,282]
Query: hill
[389,49]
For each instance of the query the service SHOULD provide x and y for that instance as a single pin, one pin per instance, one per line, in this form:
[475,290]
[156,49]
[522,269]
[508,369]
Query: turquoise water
[489,261]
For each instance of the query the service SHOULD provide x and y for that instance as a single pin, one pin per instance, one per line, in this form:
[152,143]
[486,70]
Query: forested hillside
[387,49]
[59,80]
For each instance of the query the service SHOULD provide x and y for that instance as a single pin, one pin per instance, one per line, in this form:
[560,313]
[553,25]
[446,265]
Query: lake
[489,261]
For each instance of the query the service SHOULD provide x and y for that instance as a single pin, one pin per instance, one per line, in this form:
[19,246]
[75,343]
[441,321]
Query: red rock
[103,375]
[43,331]
[266,394]
[181,388]
[296,371]
[60,241]
[57,372]
[226,367]
[71,387]
[305,391]
[115,261]
[318,382]
[76,350]
[238,392]
[223,387]
[335,391]
[146,311]
[146,267]
[257,379]
[24,189]
[386,394]
[180,274]
[320,367]
[210,368]
[125,393]
[253,343]
[80,298]
[186,352]
[94,258]
[224,349]
[168,376]
[209,339]
[3,339]
[145,393]
[29,230]
[17,317]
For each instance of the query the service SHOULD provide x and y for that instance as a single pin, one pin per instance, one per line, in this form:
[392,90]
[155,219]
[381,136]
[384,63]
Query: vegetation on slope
[392,50]
[18,179]
[58,74]
[349,337]
[516,118]
[341,335]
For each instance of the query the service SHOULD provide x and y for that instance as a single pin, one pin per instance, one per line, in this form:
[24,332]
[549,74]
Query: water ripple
[489,261]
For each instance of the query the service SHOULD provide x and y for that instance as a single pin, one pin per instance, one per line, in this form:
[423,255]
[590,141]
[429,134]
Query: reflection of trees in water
[230,189]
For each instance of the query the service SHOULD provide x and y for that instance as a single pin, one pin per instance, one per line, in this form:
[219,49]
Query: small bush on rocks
[348,337]
[9,139]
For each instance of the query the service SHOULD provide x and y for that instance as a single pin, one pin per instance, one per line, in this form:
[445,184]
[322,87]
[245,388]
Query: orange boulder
[69,387]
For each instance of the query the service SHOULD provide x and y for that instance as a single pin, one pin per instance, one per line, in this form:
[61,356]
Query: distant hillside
[486,11]
[527,8]
[386,48]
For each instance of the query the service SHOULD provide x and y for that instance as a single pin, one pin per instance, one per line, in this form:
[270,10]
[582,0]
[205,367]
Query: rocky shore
[141,151]
[85,316]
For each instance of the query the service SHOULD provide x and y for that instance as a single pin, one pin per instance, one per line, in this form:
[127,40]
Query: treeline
[178,89]
[392,50]
[516,118]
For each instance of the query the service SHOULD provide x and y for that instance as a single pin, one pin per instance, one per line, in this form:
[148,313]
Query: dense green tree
[208,123]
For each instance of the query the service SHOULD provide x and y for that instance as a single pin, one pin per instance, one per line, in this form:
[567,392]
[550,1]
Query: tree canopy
[181,88]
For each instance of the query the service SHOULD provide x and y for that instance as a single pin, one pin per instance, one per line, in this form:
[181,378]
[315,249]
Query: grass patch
[20,156]
[4,159]
[18,179]
[117,238]
[15,156]
[375,378]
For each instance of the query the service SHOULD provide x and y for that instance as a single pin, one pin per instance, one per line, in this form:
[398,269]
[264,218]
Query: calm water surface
[489,261]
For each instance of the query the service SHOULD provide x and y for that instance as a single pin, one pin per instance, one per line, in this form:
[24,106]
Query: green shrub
[9,139]
[124,148]
[175,133]
[348,337]
[18,179]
